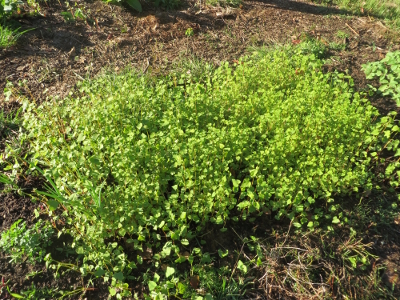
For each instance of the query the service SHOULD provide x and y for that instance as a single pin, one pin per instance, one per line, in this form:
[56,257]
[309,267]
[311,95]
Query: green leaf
[296,224]
[235,182]
[259,262]
[222,254]
[119,276]
[139,259]
[245,184]
[99,272]
[135,4]
[182,288]
[67,16]
[335,220]
[94,160]
[113,291]
[17,296]
[52,204]
[242,267]
[152,285]
[169,272]
[180,259]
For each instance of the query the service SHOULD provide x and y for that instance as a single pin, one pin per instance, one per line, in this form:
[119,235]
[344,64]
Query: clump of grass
[388,10]
[9,36]
[193,67]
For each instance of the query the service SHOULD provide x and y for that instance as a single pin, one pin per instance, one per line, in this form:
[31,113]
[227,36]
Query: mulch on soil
[57,54]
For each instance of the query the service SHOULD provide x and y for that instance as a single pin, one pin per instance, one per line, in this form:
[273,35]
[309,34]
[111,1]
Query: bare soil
[53,57]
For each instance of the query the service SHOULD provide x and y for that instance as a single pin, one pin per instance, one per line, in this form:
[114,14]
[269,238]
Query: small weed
[8,36]
[189,32]
[337,46]
[23,244]
[35,293]
[77,12]
[191,66]
[388,72]
[225,3]
[315,47]
[342,35]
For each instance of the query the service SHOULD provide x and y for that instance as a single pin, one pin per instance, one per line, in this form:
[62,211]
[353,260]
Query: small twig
[291,248]
[76,40]
[361,20]
[381,24]
[237,234]
[394,230]
[352,29]
[145,69]
[79,76]
[287,234]
[234,269]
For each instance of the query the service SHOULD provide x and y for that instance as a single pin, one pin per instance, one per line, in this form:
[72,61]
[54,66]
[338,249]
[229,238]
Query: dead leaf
[397,220]
[71,53]
[194,281]
[22,68]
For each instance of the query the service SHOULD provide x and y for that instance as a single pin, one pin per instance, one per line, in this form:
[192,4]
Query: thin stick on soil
[355,32]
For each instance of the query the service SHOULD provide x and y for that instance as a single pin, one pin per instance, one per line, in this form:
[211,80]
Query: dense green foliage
[153,162]
[388,72]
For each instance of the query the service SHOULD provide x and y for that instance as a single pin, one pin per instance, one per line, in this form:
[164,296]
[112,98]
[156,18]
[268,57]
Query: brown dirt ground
[57,54]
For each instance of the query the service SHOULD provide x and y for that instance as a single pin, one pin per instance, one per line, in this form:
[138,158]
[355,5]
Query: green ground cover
[135,163]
